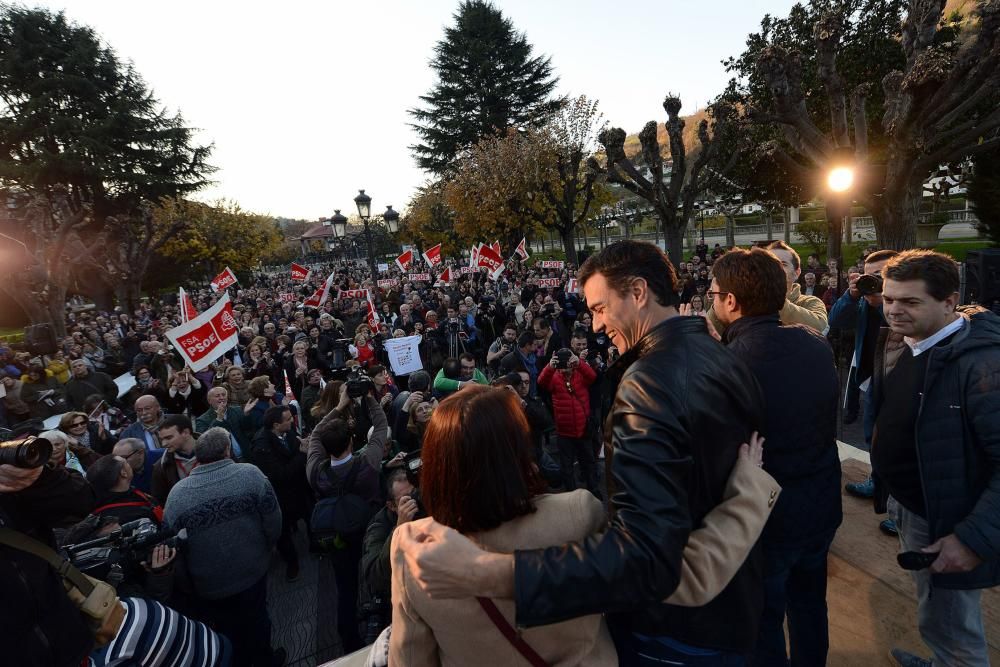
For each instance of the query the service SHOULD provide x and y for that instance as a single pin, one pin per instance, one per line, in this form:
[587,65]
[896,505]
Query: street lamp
[339,223]
[391,219]
[364,203]
[840,179]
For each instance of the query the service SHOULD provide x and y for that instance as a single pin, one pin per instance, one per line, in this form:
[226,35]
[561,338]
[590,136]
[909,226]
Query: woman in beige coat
[478,478]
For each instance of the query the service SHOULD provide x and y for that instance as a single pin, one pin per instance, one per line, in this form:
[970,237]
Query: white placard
[404,354]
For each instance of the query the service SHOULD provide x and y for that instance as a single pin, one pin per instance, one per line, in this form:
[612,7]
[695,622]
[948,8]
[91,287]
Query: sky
[306,102]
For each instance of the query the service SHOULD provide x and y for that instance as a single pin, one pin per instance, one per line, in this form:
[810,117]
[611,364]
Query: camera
[549,310]
[562,358]
[869,284]
[108,558]
[358,384]
[580,326]
[454,325]
[29,452]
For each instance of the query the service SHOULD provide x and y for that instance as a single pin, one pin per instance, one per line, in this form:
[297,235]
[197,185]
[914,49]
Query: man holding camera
[936,450]
[567,381]
[500,348]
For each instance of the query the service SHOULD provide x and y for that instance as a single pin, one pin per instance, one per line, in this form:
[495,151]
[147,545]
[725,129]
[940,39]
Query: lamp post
[839,181]
[390,218]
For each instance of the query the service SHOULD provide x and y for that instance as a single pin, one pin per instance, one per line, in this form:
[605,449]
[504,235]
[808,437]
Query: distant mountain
[632,146]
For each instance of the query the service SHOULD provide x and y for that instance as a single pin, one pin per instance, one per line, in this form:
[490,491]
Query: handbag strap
[510,634]
[22,542]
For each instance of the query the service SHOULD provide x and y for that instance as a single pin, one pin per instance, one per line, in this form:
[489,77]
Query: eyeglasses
[711,295]
[134,452]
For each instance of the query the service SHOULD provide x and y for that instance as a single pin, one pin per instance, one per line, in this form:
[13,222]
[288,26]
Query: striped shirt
[154,635]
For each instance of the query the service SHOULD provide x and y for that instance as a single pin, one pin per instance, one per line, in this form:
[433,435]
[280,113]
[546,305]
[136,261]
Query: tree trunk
[569,243]
[769,225]
[673,235]
[897,215]
[730,231]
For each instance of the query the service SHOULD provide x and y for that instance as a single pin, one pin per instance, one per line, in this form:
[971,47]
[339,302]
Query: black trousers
[243,619]
[579,450]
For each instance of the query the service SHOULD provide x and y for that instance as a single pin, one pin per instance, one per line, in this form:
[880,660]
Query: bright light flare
[840,179]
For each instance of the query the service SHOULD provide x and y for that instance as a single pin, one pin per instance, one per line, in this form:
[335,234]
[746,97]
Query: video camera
[358,384]
[454,325]
[109,557]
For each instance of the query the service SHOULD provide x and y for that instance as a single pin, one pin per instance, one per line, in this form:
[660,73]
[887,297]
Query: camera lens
[869,284]
[26,453]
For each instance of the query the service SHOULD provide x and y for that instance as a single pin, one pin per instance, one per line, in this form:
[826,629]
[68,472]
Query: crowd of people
[620,418]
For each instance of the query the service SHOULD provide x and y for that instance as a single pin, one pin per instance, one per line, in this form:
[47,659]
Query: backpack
[343,515]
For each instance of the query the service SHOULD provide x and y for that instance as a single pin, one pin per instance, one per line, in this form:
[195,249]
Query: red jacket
[570,410]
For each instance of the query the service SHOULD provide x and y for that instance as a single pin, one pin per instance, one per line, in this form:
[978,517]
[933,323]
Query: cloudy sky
[306,101]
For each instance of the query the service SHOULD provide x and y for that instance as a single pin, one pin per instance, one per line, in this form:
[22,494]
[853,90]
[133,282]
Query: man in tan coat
[799,308]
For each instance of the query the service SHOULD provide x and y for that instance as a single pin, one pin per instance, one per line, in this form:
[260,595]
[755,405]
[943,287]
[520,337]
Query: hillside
[691,122]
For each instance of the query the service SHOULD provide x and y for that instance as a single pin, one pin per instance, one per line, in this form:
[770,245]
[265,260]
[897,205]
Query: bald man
[230,417]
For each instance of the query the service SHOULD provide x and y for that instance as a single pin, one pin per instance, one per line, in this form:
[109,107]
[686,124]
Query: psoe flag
[299,273]
[223,280]
[207,337]
[433,256]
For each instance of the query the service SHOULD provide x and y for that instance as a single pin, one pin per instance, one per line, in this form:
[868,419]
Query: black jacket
[285,468]
[39,626]
[375,588]
[682,406]
[795,368]
[958,442]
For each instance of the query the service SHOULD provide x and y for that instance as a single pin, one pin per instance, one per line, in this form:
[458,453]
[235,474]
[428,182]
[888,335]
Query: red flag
[223,280]
[186,306]
[404,260]
[433,256]
[522,250]
[299,273]
[319,297]
[492,260]
[372,317]
[289,394]
[445,276]
[496,247]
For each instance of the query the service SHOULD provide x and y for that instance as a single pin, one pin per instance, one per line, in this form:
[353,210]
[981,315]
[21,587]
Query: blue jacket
[852,314]
[957,436]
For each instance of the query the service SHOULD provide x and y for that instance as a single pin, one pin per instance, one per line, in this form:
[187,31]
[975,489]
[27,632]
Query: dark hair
[452,368]
[755,277]
[623,261]
[375,370]
[509,325]
[526,338]
[477,468]
[336,438]
[103,473]
[581,334]
[274,415]
[419,381]
[91,402]
[939,272]
[880,256]
[541,323]
[781,245]
[179,422]
[467,356]
[392,476]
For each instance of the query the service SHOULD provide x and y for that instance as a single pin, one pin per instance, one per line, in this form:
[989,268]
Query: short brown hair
[781,245]
[623,261]
[258,385]
[939,272]
[880,256]
[477,470]
[755,277]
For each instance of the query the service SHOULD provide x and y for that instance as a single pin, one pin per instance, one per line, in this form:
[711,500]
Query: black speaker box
[982,276]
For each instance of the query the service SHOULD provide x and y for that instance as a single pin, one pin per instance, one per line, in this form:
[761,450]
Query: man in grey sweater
[233,522]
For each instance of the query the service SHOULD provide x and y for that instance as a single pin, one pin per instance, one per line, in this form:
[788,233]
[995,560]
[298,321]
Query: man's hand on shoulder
[447,565]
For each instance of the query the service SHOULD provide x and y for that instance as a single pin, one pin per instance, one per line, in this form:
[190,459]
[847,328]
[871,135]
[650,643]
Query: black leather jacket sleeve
[638,559]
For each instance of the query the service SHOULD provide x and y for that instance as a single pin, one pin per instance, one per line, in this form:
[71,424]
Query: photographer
[375,585]
[500,348]
[39,625]
[567,380]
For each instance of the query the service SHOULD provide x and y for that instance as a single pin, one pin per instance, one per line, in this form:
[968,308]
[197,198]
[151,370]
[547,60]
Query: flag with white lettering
[404,260]
[491,259]
[223,280]
[205,338]
[299,273]
[433,256]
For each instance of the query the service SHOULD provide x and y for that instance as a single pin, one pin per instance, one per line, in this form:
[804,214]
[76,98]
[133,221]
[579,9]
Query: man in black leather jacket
[682,406]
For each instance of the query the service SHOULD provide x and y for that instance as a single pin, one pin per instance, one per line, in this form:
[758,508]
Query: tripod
[456,344]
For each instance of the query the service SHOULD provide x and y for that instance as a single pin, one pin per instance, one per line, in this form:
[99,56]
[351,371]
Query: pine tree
[984,194]
[488,82]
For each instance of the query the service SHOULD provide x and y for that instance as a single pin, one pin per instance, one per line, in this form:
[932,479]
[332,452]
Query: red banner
[549,282]
[353,294]
[467,269]
[287,297]
[223,280]
[299,273]
[205,338]
[551,264]
[571,286]
[419,277]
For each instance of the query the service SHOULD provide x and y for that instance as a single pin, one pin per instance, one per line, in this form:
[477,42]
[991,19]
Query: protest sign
[571,286]
[382,268]
[388,283]
[352,294]
[549,282]
[417,277]
[551,264]
[467,269]
[287,297]
[404,354]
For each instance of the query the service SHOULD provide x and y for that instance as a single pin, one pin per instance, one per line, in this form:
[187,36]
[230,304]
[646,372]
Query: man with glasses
[133,450]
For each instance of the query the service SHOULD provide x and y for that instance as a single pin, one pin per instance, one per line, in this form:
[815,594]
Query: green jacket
[446,385]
